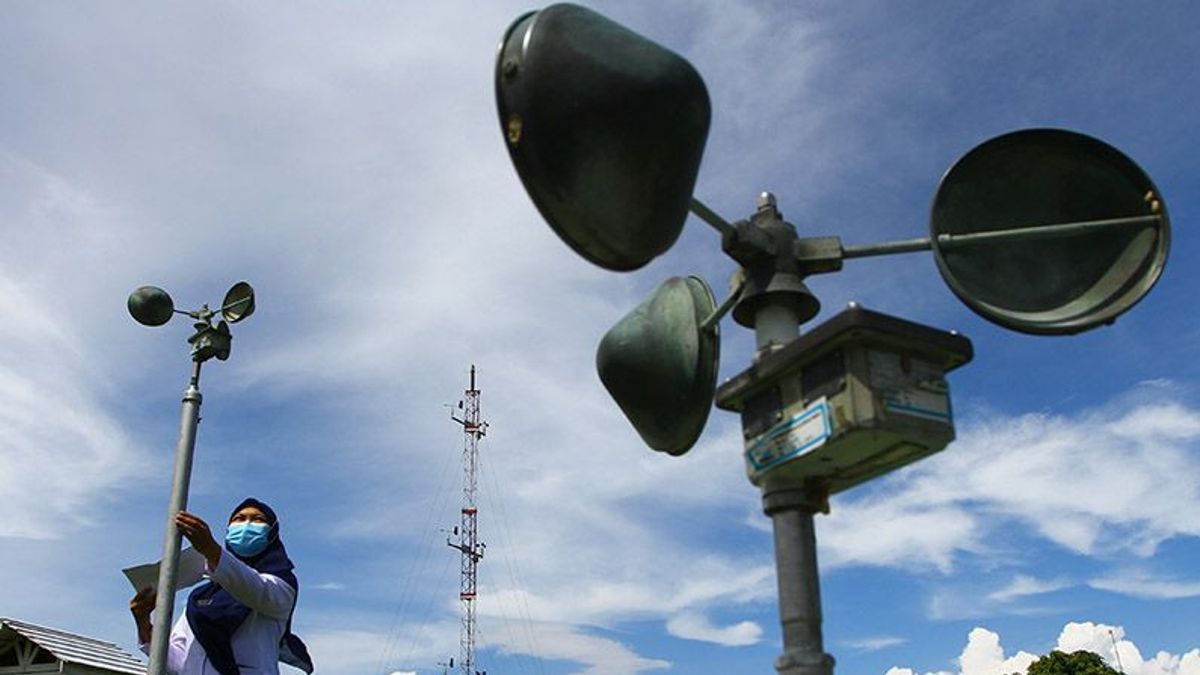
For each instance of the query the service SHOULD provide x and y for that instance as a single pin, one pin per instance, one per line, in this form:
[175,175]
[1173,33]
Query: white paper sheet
[191,571]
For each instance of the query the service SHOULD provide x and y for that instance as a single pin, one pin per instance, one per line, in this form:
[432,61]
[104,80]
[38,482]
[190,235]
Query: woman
[239,623]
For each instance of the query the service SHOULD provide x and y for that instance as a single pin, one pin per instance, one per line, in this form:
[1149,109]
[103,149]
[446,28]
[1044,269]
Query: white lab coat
[256,642]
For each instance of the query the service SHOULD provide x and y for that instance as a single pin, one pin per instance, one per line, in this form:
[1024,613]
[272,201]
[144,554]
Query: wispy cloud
[598,655]
[965,599]
[1023,586]
[874,644]
[63,452]
[345,651]
[694,626]
[1142,585]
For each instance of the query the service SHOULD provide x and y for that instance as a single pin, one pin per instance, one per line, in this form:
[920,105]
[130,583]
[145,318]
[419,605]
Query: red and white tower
[468,543]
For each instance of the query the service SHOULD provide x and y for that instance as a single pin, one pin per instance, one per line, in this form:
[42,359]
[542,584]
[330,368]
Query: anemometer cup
[1068,278]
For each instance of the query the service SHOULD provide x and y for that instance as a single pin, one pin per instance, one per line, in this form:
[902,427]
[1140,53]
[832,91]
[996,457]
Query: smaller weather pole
[152,306]
[468,543]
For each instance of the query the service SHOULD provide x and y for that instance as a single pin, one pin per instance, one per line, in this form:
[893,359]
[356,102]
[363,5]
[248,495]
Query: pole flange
[813,498]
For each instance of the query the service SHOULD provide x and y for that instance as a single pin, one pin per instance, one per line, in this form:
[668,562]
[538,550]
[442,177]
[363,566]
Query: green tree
[1075,663]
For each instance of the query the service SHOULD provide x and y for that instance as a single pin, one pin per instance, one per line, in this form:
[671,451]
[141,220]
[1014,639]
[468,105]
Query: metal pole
[791,513]
[790,507]
[774,326]
[164,607]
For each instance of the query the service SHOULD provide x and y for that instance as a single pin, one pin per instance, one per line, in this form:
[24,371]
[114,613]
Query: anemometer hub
[764,245]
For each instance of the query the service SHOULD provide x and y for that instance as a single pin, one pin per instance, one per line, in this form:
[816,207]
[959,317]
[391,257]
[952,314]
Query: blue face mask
[247,539]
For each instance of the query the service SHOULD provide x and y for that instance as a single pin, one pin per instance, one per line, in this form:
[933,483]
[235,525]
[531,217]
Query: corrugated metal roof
[79,649]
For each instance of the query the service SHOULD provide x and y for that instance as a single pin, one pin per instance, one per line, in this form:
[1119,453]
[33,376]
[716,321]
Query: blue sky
[346,160]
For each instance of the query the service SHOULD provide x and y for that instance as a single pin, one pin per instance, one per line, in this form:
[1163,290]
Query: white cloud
[1110,643]
[874,644]
[1142,585]
[420,646]
[898,532]
[988,596]
[657,591]
[598,655]
[61,452]
[1023,586]
[345,650]
[694,626]
[983,654]
[358,651]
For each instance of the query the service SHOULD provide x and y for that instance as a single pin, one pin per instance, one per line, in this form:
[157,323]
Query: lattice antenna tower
[468,544]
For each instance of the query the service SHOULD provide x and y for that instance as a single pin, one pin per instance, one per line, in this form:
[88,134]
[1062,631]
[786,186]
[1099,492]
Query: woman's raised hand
[197,532]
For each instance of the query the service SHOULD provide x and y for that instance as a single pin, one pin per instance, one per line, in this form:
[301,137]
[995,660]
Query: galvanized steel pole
[776,323]
[164,607]
[792,516]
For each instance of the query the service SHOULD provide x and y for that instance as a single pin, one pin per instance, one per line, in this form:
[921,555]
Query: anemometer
[1042,231]
[152,306]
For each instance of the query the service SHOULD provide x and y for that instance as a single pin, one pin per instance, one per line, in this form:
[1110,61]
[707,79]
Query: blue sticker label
[791,439]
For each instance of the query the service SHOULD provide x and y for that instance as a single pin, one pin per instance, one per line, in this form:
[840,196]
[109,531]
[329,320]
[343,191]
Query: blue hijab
[214,614]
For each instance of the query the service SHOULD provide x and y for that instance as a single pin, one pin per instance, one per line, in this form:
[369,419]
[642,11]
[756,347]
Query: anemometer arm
[1031,233]
[709,216]
[819,255]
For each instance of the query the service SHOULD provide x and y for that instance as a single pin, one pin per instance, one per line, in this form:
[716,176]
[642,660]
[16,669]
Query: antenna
[1116,651]
[468,543]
